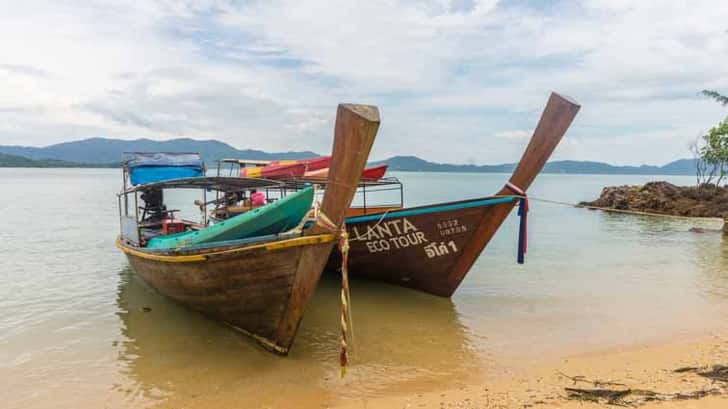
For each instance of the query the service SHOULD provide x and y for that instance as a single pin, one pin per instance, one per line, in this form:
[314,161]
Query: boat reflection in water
[404,342]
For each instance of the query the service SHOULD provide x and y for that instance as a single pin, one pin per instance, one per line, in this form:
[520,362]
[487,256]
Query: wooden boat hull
[262,286]
[245,288]
[432,248]
[417,247]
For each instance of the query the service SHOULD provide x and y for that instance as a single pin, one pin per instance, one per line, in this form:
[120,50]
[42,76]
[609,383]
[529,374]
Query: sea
[78,329]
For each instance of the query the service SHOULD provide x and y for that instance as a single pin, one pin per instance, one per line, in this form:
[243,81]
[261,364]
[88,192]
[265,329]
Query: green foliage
[715,149]
[711,149]
[722,99]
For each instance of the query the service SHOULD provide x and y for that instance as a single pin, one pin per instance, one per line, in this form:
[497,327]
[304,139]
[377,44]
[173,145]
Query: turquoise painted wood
[279,216]
[430,209]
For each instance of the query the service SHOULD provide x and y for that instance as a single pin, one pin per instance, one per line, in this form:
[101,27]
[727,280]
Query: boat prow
[259,285]
[431,248]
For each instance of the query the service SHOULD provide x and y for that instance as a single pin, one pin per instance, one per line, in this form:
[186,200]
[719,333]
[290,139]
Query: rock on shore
[666,198]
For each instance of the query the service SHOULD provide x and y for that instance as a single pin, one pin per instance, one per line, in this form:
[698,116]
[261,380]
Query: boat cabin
[146,211]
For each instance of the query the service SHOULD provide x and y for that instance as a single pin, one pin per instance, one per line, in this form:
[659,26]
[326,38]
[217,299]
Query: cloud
[454,79]
[24,70]
[518,134]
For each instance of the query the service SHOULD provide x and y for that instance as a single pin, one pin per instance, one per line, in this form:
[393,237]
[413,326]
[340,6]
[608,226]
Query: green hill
[104,152]
[415,164]
[107,151]
[13,161]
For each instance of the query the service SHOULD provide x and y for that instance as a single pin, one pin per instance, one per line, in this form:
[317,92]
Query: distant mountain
[106,151]
[415,164]
[12,161]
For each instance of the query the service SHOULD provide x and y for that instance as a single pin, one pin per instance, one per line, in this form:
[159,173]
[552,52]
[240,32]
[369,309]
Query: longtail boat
[258,285]
[431,248]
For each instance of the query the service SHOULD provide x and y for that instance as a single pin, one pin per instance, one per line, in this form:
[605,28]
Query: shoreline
[640,368]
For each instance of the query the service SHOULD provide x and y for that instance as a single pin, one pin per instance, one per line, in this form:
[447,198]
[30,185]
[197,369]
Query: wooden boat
[432,248]
[373,173]
[260,286]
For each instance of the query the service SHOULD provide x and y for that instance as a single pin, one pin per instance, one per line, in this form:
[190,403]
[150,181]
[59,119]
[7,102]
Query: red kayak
[275,171]
[312,164]
[373,173]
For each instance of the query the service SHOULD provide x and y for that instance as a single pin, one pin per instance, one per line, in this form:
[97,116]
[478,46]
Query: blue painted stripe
[433,209]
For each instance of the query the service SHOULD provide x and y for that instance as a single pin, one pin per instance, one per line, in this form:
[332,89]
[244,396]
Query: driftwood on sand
[618,394]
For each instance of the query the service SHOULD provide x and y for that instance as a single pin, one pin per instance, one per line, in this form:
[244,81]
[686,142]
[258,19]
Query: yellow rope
[346,322]
[347,327]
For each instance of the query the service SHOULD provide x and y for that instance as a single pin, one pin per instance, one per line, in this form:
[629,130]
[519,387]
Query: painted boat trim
[192,258]
[432,209]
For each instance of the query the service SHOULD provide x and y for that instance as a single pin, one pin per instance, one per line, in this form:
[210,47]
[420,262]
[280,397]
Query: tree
[711,149]
[722,99]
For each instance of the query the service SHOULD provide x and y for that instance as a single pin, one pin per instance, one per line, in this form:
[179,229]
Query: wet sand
[643,368]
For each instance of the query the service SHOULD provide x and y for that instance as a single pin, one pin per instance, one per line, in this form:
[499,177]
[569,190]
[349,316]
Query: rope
[523,214]
[523,223]
[381,218]
[347,327]
[613,210]
[346,322]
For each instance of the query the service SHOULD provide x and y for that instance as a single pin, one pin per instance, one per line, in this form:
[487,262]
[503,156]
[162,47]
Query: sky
[458,81]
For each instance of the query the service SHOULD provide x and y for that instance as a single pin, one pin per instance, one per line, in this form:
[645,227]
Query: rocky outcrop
[666,198]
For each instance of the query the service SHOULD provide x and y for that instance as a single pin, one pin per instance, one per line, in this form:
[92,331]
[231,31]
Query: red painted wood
[295,170]
[374,173]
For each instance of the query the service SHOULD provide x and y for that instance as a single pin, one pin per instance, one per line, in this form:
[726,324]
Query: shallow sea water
[75,330]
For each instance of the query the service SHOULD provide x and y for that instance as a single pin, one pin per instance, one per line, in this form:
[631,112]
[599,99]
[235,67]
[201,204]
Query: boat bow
[556,118]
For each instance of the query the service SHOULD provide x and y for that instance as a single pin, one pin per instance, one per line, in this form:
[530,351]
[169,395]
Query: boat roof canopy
[219,183]
[150,167]
[132,160]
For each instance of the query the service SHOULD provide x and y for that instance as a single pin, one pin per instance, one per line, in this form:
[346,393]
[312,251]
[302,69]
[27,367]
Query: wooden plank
[354,132]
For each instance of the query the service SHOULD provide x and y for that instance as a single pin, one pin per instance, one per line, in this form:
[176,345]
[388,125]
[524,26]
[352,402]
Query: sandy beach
[664,376]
